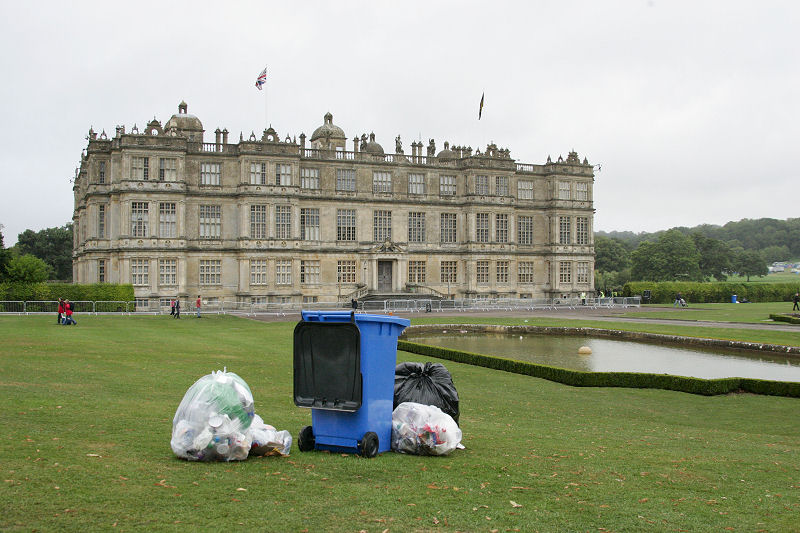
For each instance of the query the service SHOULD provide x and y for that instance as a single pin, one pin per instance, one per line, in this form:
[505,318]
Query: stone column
[244,275]
[180,230]
[181,274]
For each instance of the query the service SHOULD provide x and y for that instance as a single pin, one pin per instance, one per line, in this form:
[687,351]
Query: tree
[750,263]
[715,257]
[611,255]
[771,254]
[608,281]
[27,269]
[749,234]
[53,245]
[673,257]
[5,256]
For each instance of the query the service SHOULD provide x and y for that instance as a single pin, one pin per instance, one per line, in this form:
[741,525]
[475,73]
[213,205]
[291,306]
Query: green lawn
[87,412]
[755,313]
[776,277]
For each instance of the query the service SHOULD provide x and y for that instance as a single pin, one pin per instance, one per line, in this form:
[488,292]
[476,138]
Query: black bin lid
[327,365]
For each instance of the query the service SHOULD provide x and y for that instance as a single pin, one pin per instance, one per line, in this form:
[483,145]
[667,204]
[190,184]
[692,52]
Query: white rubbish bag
[266,440]
[214,422]
[423,430]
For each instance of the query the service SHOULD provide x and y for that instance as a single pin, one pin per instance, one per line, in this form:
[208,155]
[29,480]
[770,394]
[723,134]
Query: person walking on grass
[177,307]
[796,300]
[172,307]
[197,305]
[60,310]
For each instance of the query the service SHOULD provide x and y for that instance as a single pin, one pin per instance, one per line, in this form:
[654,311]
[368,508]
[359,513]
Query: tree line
[38,256]
[701,253]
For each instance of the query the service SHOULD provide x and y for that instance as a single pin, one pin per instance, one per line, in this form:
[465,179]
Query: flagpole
[261,85]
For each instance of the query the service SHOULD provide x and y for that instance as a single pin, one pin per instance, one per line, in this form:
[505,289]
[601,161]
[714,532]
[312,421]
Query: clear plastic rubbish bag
[213,419]
[266,440]
[423,430]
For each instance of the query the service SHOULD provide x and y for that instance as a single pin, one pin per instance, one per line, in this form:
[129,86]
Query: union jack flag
[262,79]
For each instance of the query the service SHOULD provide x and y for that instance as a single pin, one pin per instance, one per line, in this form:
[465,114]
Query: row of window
[210,175]
[210,272]
[140,169]
[210,224]
[166,303]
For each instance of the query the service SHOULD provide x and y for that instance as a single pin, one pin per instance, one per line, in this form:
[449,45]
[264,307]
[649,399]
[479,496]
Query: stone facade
[274,220]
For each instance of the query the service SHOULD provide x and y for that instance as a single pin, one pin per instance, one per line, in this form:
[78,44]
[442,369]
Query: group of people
[65,310]
[175,306]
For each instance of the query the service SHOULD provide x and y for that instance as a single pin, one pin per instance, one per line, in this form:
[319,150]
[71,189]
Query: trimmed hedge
[634,380]
[786,318]
[664,292]
[53,291]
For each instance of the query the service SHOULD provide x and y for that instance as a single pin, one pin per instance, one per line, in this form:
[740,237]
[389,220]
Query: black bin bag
[428,384]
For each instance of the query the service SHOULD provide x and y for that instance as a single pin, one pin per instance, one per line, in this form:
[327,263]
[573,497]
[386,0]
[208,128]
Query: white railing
[411,305]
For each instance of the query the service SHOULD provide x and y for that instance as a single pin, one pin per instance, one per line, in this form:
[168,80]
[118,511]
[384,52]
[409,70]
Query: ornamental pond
[611,355]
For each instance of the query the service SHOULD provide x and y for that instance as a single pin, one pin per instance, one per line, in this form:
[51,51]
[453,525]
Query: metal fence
[282,309]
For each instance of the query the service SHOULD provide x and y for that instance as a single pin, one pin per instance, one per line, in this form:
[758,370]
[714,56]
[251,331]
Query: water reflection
[620,356]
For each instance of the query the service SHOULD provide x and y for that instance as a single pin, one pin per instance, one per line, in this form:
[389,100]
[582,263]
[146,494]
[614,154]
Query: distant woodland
[701,253]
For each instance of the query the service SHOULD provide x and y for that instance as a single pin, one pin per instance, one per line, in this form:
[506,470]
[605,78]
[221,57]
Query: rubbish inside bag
[423,430]
[267,440]
[216,421]
[428,384]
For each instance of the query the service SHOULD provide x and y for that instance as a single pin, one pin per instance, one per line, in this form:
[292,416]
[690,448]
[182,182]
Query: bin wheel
[368,446]
[306,440]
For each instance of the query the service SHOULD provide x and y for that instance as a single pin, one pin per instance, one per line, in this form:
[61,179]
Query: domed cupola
[373,147]
[185,125]
[446,154]
[328,136]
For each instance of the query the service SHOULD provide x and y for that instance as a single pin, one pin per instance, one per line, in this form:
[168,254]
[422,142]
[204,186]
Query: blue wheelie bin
[344,371]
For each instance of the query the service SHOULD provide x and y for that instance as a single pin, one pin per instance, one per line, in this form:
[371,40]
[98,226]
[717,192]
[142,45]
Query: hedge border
[71,291]
[663,292]
[578,378]
[785,318]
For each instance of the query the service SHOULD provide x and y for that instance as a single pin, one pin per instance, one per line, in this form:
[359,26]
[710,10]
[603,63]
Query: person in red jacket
[197,305]
[60,310]
[68,308]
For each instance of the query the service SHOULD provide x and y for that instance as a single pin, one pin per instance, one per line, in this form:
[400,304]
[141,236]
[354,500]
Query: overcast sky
[692,108]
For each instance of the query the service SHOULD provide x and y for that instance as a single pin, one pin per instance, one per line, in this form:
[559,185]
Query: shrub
[70,291]
[665,291]
[785,318]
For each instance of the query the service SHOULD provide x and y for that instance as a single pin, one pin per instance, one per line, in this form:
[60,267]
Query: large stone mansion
[271,220]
